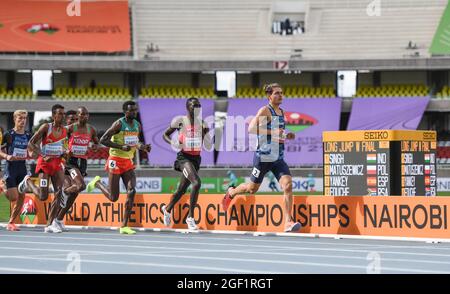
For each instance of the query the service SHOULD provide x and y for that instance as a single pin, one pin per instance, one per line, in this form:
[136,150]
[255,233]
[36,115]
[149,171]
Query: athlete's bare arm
[106,138]
[3,155]
[260,120]
[33,144]
[207,140]
[141,146]
[175,125]
[94,139]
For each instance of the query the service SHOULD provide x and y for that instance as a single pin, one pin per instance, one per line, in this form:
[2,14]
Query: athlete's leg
[191,174]
[77,182]
[42,190]
[281,171]
[129,180]
[182,187]
[58,199]
[113,191]
[68,181]
[286,186]
[14,196]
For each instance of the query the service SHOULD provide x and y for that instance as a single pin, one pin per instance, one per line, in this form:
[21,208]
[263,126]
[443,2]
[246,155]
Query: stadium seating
[444,93]
[393,91]
[289,92]
[18,93]
[241,30]
[176,92]
[107,93]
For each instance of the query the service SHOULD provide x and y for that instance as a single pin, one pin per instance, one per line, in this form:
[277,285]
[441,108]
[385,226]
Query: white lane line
[91,237]
[255,240]
[32,271]
[294,248]
[254,233]
[152,264]
[222,252]
[239,260]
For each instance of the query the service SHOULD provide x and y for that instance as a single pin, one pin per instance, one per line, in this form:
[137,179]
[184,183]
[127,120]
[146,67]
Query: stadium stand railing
[176,92]
[107,93]
[393,91]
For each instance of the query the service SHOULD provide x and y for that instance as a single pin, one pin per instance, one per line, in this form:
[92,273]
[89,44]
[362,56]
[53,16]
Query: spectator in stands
[93,84]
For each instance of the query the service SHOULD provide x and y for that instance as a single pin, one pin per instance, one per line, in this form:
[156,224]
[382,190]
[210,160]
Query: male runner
[80,135]
[123,139]
[269,125]
[49,164]
[192,132]
[16,141]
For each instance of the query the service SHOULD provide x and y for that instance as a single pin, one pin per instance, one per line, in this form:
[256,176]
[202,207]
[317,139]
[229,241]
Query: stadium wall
[403,77]
[368,216]
[106,79]
[3,78]
[22,79]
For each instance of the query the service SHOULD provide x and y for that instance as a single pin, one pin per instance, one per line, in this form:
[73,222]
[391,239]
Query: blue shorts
[14,175]
[279,168]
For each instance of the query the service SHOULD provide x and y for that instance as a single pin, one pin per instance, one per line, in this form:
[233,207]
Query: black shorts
[78,163]
[14,175]
[183,158]
[279,168]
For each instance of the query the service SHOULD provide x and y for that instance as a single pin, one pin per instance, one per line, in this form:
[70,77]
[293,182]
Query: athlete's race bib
[193,143]
[79,150]
[112,164]
[20,153]
[131,140]
[53,150]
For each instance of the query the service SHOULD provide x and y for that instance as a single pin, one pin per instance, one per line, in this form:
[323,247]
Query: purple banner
[307,118]
[156,116]
[387,113]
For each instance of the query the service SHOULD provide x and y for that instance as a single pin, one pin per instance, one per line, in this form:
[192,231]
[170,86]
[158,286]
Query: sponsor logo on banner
[143,184]
[299,184]
[297,122]
[28,211]
[443,184]
[357,215]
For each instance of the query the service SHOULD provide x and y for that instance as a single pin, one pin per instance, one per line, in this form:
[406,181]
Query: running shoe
[91,186]
[167,216]
[292,227]
[190,221]
[53,228]
[60,225]
[127,231]
[22,187]
[12,227]
[226,200]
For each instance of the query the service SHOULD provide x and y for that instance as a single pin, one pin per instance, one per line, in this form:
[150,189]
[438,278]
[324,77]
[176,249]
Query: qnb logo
[35,28]
[29,210]
[297,122]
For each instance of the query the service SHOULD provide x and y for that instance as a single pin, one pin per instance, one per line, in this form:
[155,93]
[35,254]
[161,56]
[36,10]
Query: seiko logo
[376,135]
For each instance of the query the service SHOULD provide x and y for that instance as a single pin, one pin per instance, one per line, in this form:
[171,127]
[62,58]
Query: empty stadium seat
[393,91]
[107,93]
[289,92]
[240,30]
[18,93]
[444,93]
